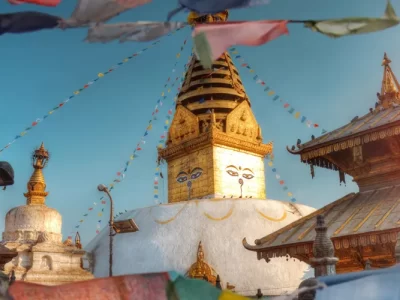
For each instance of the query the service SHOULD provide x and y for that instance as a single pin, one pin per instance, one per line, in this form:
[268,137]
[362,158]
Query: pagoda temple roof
[358,219]
[381,122]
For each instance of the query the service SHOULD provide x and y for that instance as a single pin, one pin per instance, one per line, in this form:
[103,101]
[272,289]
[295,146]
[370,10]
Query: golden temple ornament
[200,269]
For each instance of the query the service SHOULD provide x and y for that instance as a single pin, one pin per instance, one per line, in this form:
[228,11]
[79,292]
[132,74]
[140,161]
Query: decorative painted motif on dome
[214,217]
[200,269]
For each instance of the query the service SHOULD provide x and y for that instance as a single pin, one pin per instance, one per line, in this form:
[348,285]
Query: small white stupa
[32,241]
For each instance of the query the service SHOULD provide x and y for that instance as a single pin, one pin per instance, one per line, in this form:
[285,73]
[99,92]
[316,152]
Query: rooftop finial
[386,61]
[390,87]
[37,185]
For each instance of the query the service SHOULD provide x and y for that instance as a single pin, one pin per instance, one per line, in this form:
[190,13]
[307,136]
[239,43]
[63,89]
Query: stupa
[216,193]
[32,241]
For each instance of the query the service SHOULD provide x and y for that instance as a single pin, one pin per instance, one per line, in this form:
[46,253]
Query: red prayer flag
[37,2]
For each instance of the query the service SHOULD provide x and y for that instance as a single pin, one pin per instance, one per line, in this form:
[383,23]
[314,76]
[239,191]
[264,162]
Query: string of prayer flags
[272,94]
[28,21]
[121,174]
[213,39]
[76,93]
[156,185]
[85,215]
[131,32]
[281,182]
[98,11]
[37,2]
[351,26]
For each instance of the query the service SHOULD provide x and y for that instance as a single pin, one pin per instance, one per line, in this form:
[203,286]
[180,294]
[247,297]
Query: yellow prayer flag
[290,194]
[297,115]
[169,90]
[76,92]
[81,221]
[270,93]
[23,133]
[178,55]
[251,71]
[155,191]
[99,214]
[131,157]
[50,112]
[166,122]
[162,94]
[100,75]
[125,60]
[160,146]
[228,295]
[270,163]
[111,185]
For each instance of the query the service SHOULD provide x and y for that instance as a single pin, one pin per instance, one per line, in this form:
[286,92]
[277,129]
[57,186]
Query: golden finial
[37,185]
[200,253]
[390,87]
[386,61]
[78,241]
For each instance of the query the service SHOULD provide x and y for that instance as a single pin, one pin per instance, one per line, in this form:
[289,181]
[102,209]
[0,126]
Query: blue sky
[328,80]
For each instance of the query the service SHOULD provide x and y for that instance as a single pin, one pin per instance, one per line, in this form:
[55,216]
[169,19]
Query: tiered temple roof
[363,225]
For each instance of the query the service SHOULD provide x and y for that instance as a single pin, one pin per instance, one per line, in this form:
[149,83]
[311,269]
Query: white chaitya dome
[27,221]
[169,235]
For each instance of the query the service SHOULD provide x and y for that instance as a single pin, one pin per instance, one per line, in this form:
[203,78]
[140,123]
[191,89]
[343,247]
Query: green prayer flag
[203,50]
[192,289]
[351,26]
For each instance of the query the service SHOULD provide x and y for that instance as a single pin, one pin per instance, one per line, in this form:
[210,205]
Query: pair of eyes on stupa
[192,175]
[234,171]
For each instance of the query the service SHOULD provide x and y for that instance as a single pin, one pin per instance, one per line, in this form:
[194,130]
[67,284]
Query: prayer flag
[195,289]
[130,32]
[212,40]
[29,21]
[350,26]
[37,2]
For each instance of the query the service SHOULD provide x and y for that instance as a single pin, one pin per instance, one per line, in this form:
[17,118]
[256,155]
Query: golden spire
[390,87]
[37,185]
[78,241]
[210,94]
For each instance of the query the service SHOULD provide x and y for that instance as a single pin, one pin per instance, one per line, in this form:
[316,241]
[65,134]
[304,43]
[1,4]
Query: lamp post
[103,188]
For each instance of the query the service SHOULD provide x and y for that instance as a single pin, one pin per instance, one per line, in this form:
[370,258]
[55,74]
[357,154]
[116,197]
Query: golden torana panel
[185,125]
[242,123]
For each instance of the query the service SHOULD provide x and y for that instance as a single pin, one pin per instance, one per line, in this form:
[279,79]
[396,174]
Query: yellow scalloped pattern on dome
[214,218]
[284,216]
[163,222]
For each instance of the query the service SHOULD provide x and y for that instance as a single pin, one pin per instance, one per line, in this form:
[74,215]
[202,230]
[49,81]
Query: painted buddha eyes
[235,172]
[232,173]
[181,178]
[247,176]
[194,174]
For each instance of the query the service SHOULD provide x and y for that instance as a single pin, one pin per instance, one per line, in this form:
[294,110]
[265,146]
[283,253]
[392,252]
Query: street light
[6,174]
[103,188]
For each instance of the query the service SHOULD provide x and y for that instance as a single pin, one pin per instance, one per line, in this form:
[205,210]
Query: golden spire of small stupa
[390,86]
[78,241]
[37,185]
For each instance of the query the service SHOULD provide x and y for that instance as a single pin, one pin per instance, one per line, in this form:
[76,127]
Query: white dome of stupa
[169,235]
